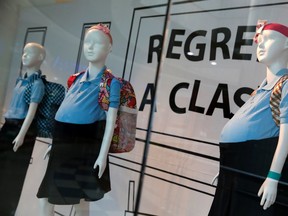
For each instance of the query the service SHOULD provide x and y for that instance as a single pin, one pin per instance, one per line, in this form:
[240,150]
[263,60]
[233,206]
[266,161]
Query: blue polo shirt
[80,105]
[18,107]
[253,121]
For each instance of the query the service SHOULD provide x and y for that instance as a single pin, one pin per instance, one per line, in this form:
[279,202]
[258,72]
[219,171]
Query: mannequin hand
[18,141]
[47,152]
[269,191]
[101,163]
[215,179]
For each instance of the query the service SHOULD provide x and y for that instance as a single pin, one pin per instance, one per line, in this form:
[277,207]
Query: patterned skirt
[70,175]
[243,169]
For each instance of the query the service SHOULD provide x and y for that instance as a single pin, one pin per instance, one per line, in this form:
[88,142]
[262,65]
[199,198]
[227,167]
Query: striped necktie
[276,98]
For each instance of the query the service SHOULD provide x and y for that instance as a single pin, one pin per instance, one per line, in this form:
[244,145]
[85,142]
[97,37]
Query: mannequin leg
[82,209]
[46,209]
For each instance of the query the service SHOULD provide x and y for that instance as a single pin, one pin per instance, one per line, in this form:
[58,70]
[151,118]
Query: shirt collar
[268,86]
[33,76]
[85,77]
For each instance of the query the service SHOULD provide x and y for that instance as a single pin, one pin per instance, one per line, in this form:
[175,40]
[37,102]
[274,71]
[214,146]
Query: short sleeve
[284,104]
[37,91]
[115,93]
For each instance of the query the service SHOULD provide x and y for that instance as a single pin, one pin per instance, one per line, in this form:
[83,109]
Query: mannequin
[81,113]
[275,59]
[18,134]
[253,149]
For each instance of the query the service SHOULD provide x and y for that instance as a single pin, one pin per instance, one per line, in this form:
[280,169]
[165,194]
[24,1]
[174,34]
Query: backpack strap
[72,79]
[275,99]
[104,92]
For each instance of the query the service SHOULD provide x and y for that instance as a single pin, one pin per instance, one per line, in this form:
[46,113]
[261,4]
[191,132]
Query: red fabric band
[104,29]
[277,27]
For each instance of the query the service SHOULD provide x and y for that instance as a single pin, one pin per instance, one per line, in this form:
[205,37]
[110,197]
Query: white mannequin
[32,58]
[272,51]
[96,48]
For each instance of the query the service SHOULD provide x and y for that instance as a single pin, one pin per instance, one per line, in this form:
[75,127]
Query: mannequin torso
[80,109]
[19,129]
[256,133]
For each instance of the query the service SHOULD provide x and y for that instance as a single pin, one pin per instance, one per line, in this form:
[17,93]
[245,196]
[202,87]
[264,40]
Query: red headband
[277,27]
[270,26]
[104,29]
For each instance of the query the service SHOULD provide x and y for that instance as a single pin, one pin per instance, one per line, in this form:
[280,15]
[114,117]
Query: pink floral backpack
[124,135]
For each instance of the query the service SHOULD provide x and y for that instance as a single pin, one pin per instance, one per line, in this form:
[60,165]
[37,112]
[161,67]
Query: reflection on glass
[18,134]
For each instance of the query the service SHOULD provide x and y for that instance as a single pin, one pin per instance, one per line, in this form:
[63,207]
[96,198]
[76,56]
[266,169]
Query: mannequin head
[272,46]
[33,56]
[97,44]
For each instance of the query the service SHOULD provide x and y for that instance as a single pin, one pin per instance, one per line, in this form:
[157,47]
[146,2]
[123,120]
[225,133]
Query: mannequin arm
[109,130]
[268,189]
[18,141]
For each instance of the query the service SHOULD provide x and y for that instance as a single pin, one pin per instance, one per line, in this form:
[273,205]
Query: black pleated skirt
[243,169]
[70,175]
[13,165]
